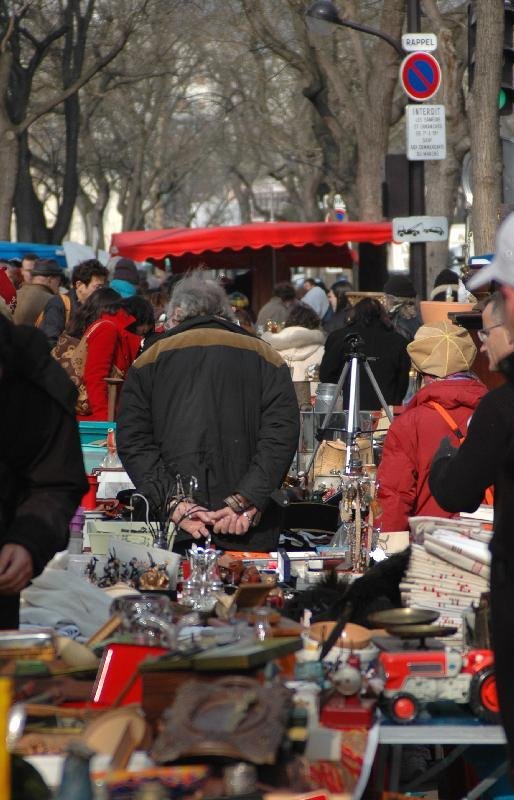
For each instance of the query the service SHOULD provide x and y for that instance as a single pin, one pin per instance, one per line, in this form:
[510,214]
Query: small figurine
[131,572]
[154,577]
[112,571]
[90,571]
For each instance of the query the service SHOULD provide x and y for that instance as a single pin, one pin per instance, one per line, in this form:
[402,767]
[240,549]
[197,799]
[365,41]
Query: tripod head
[353,345]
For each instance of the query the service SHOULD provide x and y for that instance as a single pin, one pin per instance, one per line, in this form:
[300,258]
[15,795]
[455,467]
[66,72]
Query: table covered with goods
[139,672]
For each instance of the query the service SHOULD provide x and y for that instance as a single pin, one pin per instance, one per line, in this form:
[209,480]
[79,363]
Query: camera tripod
[353,358]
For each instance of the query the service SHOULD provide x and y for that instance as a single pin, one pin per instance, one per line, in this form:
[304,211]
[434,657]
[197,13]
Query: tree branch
[78,84]
[7,35]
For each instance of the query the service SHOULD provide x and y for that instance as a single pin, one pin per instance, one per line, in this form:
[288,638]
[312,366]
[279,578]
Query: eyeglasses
[483,333]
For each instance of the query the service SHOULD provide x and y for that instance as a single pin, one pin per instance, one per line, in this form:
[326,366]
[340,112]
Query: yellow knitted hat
[441,349]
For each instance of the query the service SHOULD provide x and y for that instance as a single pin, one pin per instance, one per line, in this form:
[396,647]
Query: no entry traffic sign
[420,75]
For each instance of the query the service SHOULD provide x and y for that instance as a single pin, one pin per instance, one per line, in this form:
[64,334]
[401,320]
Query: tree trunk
[442,177]
[70,183]
[486,157]
[30,217]
[8,151]
[92,213]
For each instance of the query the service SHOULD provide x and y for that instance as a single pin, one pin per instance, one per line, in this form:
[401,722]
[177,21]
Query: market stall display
[160,635]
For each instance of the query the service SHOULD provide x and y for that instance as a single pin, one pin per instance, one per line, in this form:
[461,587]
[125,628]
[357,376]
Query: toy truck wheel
[483,698]
[403,708]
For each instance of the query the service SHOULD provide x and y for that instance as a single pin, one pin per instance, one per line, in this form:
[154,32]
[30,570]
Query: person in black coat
[386,349]
[458,480]
[42,478]
[212,401]
[337,315]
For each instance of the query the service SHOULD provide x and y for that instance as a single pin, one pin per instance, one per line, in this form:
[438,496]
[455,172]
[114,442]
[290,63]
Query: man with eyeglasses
[459,478]
[494,336]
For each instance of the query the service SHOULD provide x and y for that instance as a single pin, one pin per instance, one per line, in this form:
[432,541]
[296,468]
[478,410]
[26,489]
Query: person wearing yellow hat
[443,354]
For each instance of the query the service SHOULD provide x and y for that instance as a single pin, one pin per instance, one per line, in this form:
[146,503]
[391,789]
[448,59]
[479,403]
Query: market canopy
[310,238]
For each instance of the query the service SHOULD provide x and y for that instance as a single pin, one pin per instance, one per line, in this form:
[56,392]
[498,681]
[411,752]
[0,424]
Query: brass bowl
[402,616]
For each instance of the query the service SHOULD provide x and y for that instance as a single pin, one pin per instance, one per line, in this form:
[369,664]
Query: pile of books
[448,570]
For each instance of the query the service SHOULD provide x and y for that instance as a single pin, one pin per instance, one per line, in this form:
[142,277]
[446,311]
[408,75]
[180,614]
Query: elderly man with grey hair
[212,401]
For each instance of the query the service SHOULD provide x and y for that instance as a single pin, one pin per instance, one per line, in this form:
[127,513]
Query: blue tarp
[18,249]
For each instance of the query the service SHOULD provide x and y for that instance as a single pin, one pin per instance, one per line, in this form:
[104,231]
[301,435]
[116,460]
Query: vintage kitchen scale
[410,625]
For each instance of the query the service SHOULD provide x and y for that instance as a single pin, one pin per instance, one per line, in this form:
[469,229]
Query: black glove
[445,449]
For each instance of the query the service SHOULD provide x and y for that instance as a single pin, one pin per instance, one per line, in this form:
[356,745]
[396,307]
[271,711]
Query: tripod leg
[330,410]
[353,409]
[378,393]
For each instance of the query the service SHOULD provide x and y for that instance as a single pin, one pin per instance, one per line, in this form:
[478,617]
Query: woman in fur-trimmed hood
[301,342]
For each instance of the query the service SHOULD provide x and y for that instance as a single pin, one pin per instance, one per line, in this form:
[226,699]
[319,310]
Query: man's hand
[16,568]
[192,519]
[227,521]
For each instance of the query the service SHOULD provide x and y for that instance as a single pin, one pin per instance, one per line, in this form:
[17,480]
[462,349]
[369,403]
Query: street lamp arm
[326,12]
[347,23]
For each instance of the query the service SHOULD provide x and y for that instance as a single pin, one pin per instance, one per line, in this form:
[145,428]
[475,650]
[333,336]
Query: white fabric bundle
[57,598]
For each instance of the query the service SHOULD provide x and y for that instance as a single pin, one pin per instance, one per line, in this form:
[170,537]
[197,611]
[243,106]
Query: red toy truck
[421,676]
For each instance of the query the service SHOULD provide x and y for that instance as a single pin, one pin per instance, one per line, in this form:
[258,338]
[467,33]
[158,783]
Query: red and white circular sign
[420,75]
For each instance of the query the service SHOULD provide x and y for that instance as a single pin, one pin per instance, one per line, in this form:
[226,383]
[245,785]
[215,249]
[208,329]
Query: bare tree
[30,34]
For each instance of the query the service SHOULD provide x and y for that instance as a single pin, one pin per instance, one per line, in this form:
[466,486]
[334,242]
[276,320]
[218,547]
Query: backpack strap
[65,299]
[489,494]
[448,419]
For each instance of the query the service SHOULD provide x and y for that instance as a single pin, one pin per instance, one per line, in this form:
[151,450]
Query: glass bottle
[112,459]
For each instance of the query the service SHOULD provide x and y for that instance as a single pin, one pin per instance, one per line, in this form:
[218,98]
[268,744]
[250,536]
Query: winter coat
[54,319]
[335,320]
[300,348]
[213,401]
[42,477]
[110,348]
[390,369]
[31,300]
[411,442]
